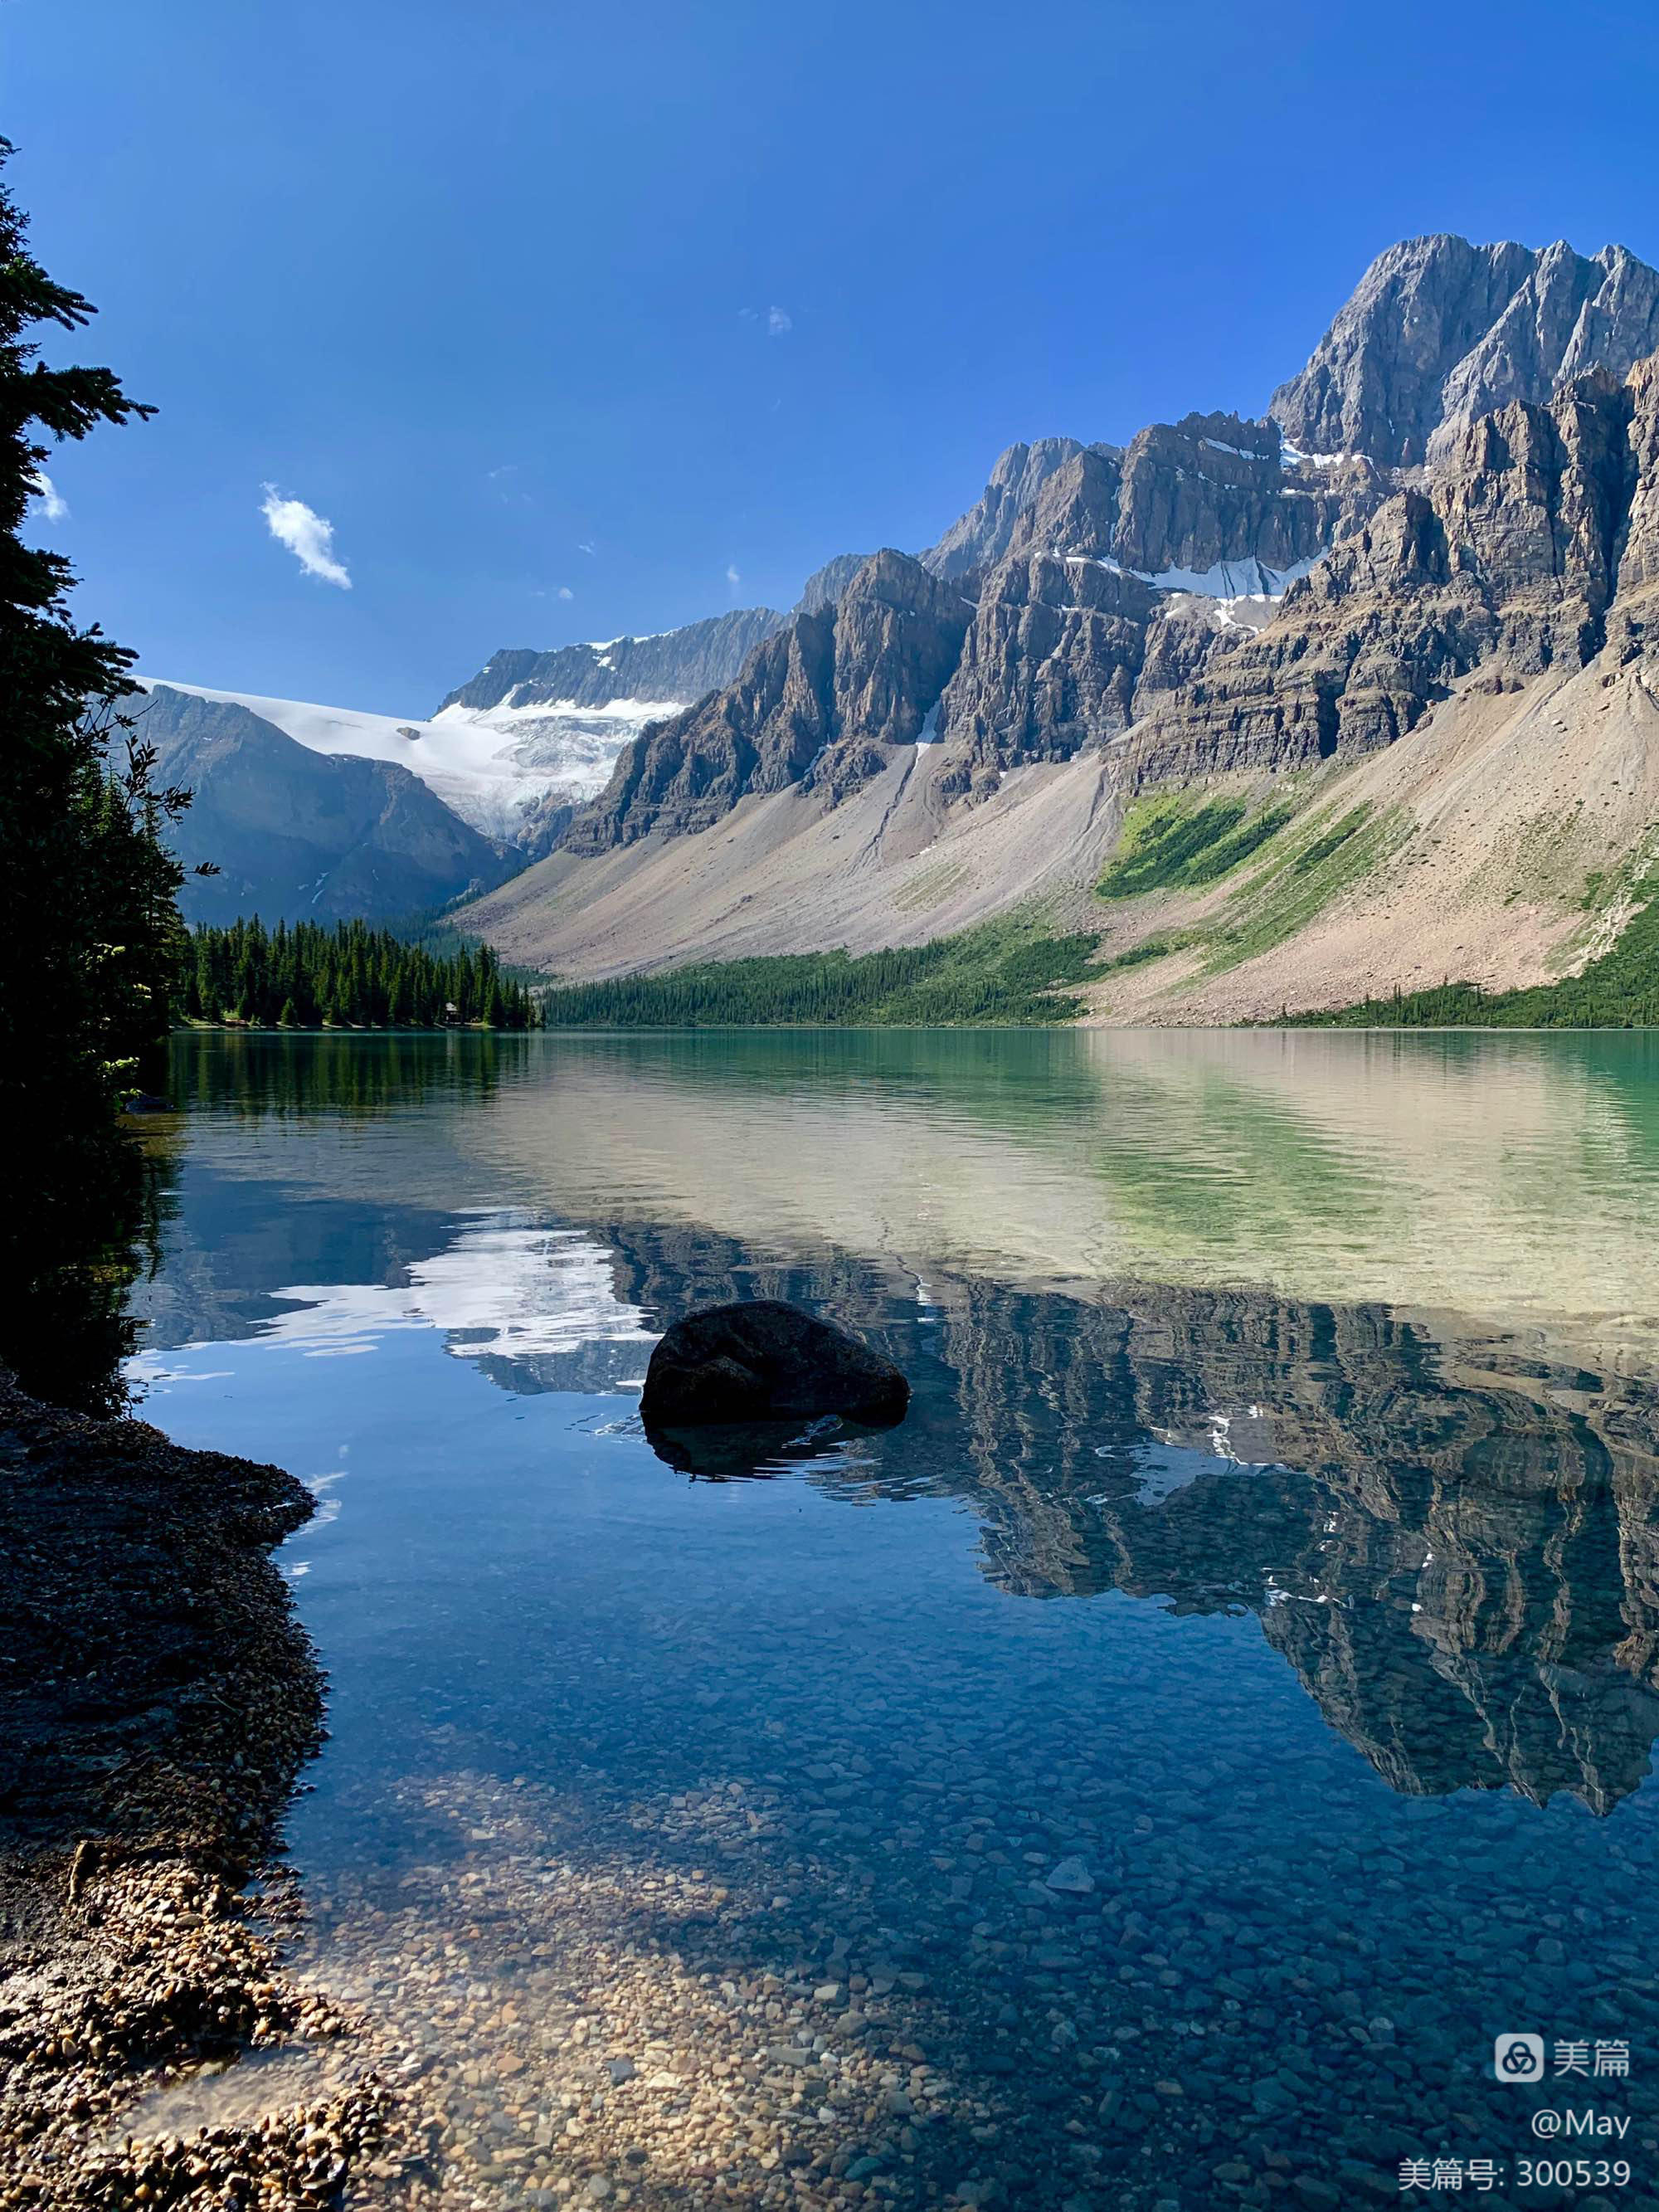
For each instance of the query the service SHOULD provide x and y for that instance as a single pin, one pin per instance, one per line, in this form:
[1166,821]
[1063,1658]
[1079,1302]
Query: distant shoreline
[195,1028]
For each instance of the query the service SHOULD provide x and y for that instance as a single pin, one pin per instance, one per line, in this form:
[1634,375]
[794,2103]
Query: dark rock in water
[766,1361]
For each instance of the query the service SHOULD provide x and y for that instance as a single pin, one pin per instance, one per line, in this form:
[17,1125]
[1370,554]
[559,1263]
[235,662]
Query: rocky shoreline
[157,1699]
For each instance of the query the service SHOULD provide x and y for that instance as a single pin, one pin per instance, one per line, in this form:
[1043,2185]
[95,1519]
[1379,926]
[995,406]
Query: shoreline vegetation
[89,926]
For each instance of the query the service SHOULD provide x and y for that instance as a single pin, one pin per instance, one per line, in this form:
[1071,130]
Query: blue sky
[659,305]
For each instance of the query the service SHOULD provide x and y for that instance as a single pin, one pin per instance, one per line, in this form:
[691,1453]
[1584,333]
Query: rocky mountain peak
[825,585]
[1439,331]
[813,705]
[983,535]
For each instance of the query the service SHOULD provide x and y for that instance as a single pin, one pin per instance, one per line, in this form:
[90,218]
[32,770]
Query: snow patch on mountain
[493,766]
[1249,579]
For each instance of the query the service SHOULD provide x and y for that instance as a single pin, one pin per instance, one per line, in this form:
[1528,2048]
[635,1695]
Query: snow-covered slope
[495,766]
[559,747]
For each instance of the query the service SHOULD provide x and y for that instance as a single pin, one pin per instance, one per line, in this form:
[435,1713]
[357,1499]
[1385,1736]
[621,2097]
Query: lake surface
[1150,1776]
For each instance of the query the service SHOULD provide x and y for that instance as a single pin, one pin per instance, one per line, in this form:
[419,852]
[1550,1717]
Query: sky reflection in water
[1311,1373]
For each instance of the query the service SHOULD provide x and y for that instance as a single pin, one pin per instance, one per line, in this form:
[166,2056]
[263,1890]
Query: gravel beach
[157,1698]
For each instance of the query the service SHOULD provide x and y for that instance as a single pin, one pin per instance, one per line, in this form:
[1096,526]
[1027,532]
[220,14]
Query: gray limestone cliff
[1439,331]
[1464,476]
[985,532]
[825,585]
[812,705]
[1509,559]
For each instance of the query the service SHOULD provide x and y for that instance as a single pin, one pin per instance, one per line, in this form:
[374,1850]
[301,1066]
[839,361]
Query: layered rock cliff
[1440,332]
[814,706]
[1509,559]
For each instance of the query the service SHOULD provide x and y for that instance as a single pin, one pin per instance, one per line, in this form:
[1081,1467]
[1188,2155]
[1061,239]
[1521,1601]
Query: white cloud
[565,591]
[732,576]
[53,505]
[779,322]
[306,535]
[585,545]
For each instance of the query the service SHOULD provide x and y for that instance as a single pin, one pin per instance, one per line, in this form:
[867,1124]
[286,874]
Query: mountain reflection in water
[1455,1546]
[1311,1380]
[1452,1539]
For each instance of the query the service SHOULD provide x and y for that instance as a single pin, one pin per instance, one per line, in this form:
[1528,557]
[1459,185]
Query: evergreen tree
[89,933]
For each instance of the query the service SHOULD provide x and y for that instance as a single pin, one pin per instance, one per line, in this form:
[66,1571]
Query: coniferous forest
[304,976]
[1008,971]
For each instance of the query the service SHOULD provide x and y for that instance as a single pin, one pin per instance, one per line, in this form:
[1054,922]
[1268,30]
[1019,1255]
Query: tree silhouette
[89,929]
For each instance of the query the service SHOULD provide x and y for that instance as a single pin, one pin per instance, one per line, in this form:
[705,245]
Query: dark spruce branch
[89,892]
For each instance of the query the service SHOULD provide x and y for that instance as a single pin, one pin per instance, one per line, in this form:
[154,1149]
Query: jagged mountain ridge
[1521,562]
[1439,331]
[1215,597]
[1216,508]
[675,665]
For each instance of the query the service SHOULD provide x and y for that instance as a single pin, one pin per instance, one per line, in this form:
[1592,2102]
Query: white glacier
[491,765]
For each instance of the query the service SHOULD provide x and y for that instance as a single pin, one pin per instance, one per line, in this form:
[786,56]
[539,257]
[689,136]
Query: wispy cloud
[53,506]
[565,591]
[308,537]
[779,322]
[587,545]
[733,577]
[509,494]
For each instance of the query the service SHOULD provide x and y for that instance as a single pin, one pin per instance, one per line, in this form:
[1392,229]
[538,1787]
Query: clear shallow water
[1275,1532]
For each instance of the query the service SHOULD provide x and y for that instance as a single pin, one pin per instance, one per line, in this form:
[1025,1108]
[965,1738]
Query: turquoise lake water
[1221,1710]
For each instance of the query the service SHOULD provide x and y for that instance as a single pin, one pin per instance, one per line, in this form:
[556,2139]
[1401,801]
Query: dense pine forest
[1000,972]
[1619,991]
[305,976]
